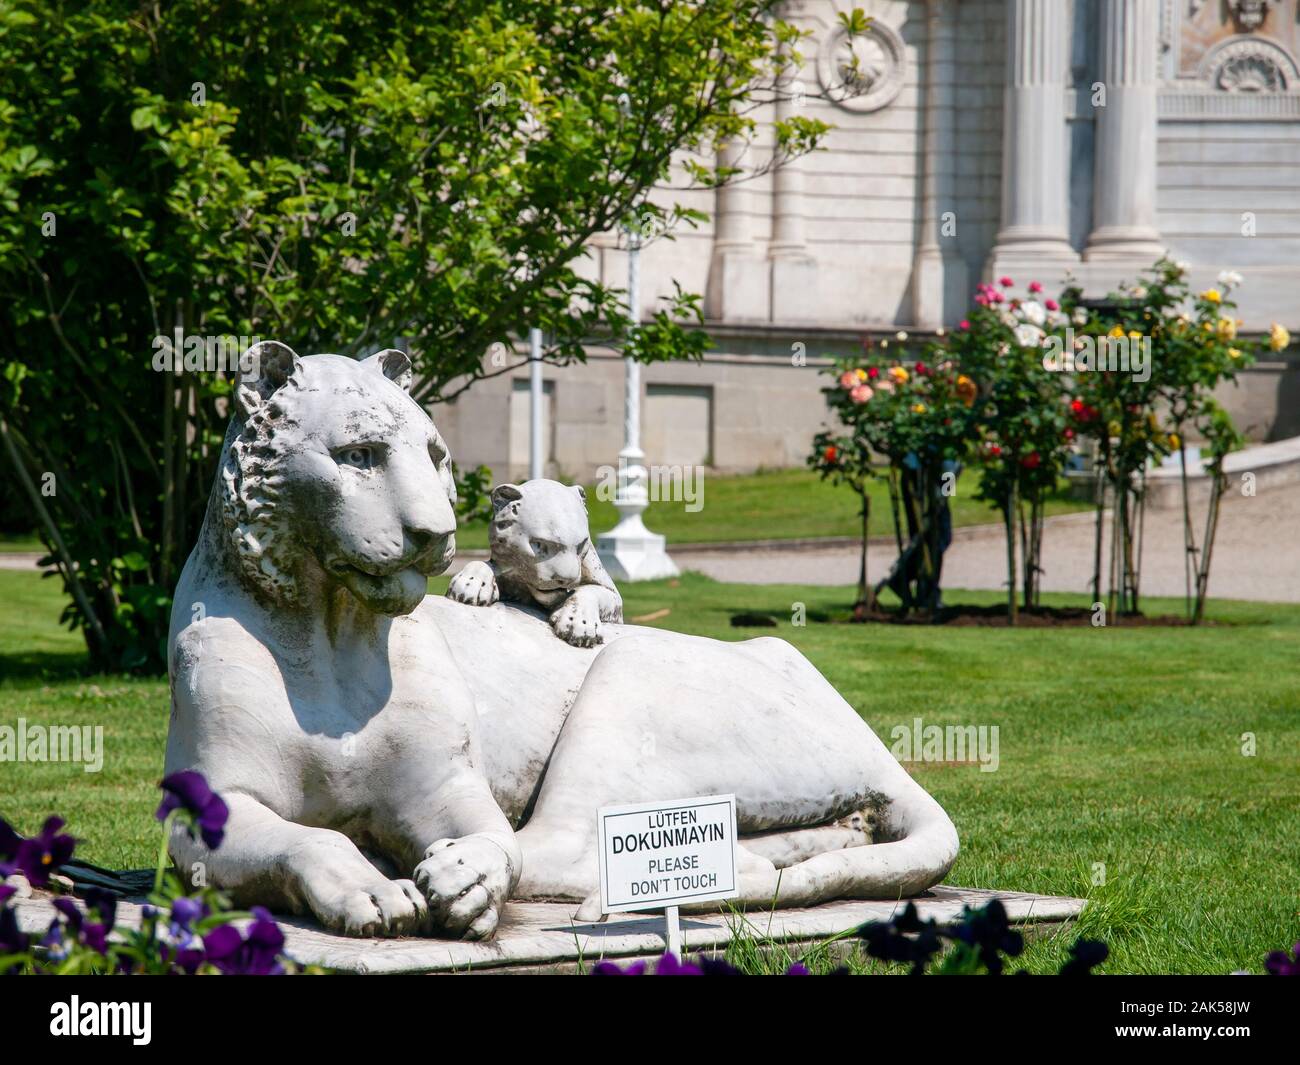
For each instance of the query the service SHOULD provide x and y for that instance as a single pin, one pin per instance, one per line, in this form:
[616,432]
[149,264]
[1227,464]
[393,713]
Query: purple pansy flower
[667,965]
[9,841]
[38,857]
[671,965]
[12,939]
[254,954]
[93,934]
[189,791]
[1279,963]
[610,968]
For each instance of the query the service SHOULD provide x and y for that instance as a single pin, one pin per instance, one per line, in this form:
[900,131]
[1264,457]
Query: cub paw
[578,623]
[475,585]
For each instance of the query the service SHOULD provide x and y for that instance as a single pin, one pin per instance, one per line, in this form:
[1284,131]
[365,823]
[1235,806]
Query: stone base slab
[542,936]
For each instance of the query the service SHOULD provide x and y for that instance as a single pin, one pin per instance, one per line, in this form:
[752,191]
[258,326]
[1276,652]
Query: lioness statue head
[539,535]
[332,474]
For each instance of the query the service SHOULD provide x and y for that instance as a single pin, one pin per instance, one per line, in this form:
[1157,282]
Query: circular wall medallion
[862,71]
[1249,65]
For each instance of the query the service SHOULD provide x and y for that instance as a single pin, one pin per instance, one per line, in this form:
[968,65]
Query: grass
[774,505]
[1121,774]
[20,542]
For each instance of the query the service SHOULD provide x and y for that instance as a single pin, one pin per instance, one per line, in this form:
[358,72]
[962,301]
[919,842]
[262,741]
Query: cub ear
[581,493]
[393,364]
[263,369]
[505,494]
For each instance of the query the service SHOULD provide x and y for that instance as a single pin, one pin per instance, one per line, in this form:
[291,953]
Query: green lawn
[1120,755]
[775,505]
[11,542]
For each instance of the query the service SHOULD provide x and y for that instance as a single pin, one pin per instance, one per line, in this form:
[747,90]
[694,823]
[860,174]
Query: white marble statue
[400,763]
[542,555]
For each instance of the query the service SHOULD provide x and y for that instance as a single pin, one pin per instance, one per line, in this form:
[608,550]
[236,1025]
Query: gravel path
[1256,555]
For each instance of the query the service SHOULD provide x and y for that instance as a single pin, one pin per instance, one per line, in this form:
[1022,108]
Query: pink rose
[1051,305]
[964,324]
[1034,286]
[1005,282]
[861,393]
[848,379]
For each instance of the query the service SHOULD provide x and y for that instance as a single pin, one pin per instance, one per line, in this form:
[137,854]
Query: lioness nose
[424,537]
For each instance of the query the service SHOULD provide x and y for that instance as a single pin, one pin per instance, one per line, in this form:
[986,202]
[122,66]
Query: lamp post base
[631,552]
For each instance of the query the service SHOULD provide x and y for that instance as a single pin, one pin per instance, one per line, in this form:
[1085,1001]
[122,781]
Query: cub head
[539,534]
[332,474]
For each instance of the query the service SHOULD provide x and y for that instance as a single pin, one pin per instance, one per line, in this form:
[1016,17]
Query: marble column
[738,280]
[793,269]
[1035,150]
[1124,176]
[938,271]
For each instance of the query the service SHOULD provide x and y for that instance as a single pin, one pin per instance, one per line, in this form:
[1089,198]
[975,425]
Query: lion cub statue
[542,555]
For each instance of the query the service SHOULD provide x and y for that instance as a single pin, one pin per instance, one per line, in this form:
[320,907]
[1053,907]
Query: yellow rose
[1174,442]
[918,408]
[1227,329]
[1134,334]
[1118,331]
[860,374]
[1211,295]
[1278,337]
[966,389]
[898,374]
[1234,353]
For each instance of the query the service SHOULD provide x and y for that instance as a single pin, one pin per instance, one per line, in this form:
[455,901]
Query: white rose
[1080,316]
[1230,279]
[1033,311]
[1028,336]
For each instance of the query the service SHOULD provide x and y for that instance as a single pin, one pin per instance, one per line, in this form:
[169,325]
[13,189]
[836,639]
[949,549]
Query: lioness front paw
[476,585]
[577,622]
[369,905]
[466,882]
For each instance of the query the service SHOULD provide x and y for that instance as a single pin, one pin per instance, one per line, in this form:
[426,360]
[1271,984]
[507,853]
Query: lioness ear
[264,368]
[581,493]
[505,494]
[393,364]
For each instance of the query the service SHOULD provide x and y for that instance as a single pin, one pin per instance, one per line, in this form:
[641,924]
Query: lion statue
[397,763]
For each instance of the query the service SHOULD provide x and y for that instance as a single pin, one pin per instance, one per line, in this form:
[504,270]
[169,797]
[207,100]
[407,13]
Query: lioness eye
[360,457]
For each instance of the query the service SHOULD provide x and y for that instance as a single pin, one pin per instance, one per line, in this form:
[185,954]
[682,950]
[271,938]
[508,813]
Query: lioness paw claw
[380,908]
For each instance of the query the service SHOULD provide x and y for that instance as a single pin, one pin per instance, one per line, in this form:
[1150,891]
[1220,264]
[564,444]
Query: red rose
[1031,461]
[830,453]
[872,373]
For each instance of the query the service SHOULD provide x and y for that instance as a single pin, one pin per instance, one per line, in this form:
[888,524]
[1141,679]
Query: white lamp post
[630,551]
[536,463]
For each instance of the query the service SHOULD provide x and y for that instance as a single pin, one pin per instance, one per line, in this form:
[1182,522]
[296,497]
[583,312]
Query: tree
[341,177]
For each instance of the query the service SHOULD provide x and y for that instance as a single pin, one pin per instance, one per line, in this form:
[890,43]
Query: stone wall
[940,172]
